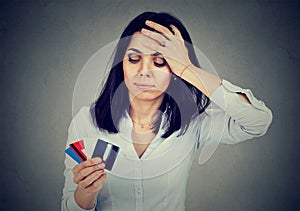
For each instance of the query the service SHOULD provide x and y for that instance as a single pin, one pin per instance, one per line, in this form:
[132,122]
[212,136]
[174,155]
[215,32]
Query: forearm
[206,82]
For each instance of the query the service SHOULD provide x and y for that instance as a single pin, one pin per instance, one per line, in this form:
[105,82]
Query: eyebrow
[138,51]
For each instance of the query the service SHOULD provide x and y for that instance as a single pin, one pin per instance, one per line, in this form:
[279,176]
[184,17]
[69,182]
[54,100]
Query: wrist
[184,69]
[85,200]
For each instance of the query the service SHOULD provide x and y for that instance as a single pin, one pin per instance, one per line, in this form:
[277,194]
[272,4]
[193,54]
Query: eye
[159,61]
[134,58]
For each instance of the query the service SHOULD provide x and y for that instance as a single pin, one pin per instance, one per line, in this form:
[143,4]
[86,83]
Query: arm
[176,54]
[242,120]
[89,176]
[231,121]
[206,82]
[82,181]
[246,116]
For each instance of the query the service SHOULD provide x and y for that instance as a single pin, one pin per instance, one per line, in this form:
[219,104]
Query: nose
[145,69]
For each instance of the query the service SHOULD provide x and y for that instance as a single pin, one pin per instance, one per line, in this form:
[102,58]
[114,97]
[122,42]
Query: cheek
[128,76]
[129,70]
[125,71]
[164,80]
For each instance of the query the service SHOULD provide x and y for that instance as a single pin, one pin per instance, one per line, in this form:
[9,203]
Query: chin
[149,96]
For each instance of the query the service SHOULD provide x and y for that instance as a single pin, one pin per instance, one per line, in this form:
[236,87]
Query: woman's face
[146,73]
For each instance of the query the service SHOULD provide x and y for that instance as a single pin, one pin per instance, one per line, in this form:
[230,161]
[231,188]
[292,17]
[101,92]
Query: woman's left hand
[171,46]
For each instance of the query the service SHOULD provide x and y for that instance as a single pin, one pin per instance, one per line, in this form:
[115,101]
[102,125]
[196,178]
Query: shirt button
[139,191]
[138,164]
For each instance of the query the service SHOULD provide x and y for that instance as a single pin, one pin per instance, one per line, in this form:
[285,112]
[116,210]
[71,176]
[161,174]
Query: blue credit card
[75,151]
[107,151]
[73,155]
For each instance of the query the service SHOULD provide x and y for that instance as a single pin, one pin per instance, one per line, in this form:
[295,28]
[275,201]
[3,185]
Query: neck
[143,111]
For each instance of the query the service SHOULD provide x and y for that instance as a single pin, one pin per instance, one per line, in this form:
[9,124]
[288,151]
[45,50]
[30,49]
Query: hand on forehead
[138,41]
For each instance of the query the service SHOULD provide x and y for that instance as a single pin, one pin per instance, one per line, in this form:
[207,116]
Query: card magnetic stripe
[78,152]
[73,155]
[109,162]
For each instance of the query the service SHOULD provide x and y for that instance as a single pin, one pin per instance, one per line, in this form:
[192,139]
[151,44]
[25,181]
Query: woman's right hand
[89,175]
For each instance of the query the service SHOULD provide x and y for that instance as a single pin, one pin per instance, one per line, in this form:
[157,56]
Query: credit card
[73,155]
[107,151]
[75,151]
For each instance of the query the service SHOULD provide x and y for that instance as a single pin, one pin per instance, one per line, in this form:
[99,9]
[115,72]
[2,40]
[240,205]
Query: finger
[90,179]
[153,46]
[87,163]
[162,29]
[98,184]
[81,175]
[176,31]
[154,36]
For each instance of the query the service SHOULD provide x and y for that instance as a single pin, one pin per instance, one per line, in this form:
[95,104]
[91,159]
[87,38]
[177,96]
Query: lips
[144,86]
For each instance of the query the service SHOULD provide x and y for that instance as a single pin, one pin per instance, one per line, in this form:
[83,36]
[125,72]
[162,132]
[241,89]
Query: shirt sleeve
[75,132]
[233,119]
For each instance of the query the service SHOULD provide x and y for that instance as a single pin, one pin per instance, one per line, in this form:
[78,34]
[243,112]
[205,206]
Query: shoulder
[85,111]
[83,114]
[83,119]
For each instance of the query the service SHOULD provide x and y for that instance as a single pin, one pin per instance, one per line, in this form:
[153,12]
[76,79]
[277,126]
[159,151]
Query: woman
[153,103]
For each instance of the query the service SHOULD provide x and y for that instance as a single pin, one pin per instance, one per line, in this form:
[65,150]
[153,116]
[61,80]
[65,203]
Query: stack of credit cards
[75,151]
[107,151]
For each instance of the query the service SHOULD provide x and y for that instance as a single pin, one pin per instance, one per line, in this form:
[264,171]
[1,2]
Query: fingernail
[102,165]
[148,22]
[96,160]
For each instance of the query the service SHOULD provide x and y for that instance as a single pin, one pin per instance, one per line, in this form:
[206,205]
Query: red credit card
[77,147]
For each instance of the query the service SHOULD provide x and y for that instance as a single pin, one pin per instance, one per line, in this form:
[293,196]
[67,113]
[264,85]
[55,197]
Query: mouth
[144,86]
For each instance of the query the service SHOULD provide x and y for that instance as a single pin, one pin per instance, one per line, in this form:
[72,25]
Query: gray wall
[45,44]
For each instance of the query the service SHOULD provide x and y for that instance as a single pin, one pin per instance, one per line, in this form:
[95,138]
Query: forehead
[137,40]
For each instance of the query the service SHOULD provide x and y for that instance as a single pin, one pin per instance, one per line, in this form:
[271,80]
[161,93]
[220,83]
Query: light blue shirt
[157,180]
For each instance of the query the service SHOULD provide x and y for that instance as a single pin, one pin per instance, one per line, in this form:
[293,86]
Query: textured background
[45,44]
